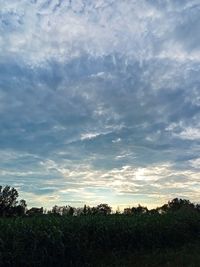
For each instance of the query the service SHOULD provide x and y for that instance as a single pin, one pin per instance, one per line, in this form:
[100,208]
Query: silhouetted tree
[86,210]
[20,209]
[55,210]
[117,212]
[71,211]
[8,202]
[102,209]
[35,211]
[153,212]
[176,204]
[127,211]
[62,210]
[136,210]
[139,210]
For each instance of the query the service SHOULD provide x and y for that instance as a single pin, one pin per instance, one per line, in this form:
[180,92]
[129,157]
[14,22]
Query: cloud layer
[100,100]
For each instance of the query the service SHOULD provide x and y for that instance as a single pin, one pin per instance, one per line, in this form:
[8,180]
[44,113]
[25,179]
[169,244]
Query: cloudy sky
[100,101]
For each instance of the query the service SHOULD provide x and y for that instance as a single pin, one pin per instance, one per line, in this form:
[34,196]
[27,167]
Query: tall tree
[9,205]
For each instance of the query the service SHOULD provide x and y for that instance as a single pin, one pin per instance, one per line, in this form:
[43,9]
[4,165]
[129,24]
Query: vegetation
[166,236]
[9,206]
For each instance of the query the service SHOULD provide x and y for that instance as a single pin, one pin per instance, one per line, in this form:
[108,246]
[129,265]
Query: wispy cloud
[100,99]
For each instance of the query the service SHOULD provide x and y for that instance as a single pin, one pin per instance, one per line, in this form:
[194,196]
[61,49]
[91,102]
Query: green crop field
[171,239]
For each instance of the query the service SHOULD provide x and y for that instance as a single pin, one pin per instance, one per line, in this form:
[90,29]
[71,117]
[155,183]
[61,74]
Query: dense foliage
[9,205]
[51,240]
[93,236]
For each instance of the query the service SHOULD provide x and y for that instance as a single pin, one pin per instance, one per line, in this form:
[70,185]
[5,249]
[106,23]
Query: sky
[100,101]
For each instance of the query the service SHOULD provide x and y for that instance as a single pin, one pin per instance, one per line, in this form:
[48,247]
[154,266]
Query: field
[172,239]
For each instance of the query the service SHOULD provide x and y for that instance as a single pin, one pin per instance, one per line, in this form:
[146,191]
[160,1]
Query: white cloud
[48,30]
[190,134]
[98,70]
[195,163]
[116,140]
[88,136]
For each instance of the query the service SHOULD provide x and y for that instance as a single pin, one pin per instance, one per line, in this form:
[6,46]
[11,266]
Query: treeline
[11,207]
[112,240]
[96,236]
[103,209]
